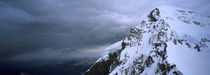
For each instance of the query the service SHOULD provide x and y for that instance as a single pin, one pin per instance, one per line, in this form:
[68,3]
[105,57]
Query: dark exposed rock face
[105,66]
[154,14]
[100,68]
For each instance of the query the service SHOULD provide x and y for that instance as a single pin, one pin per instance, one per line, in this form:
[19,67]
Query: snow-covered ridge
[153,47]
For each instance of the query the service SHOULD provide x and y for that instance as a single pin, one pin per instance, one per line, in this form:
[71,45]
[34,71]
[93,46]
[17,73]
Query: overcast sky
[67,29]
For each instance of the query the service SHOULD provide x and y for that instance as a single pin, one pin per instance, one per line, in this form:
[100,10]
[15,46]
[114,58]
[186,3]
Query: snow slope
[169,41]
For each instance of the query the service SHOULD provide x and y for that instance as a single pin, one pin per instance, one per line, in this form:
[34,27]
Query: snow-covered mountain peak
[185,15]
[182,24]
[155,46]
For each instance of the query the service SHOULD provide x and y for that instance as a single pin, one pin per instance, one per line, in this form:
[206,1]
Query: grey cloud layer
[30,25]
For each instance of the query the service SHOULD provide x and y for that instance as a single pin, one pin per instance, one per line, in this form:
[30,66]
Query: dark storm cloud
[30,26]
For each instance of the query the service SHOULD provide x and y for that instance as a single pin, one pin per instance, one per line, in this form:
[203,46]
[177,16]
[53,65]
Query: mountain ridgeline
[156,46]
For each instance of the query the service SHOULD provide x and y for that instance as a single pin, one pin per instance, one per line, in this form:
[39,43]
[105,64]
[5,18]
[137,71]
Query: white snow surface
[188,61]
[185,25]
